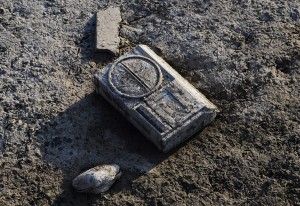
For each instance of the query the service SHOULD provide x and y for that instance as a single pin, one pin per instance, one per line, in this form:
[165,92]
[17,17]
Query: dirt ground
[244,55]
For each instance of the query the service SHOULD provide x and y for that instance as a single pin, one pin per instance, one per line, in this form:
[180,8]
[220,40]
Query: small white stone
[97,179]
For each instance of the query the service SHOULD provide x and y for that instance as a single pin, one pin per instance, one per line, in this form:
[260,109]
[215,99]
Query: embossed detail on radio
[134,76]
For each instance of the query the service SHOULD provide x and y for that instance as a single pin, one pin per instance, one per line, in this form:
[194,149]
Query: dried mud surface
[243,55]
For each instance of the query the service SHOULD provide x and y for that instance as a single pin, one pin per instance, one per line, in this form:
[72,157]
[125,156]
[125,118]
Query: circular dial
[134,76]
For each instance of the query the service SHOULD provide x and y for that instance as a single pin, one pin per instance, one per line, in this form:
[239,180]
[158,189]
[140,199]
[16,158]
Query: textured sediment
[242,55]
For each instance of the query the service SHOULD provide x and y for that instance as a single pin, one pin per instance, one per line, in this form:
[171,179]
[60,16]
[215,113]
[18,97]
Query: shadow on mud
[89,133]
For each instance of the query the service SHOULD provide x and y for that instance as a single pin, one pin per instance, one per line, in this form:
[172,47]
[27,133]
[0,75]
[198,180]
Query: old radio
[156,99]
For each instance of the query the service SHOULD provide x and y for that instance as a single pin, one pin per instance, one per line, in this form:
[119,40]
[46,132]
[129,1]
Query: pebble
[97,179]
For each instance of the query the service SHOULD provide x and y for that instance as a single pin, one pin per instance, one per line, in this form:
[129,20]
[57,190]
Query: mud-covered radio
[156,99]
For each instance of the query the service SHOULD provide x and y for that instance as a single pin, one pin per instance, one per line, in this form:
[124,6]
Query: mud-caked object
[97,179]
[156,99]
[107,30]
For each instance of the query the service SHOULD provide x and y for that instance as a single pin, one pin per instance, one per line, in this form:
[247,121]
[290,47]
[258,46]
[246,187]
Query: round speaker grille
[134,76]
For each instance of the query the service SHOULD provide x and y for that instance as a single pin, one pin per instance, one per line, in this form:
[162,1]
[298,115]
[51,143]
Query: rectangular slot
[169,108]
[151,119]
